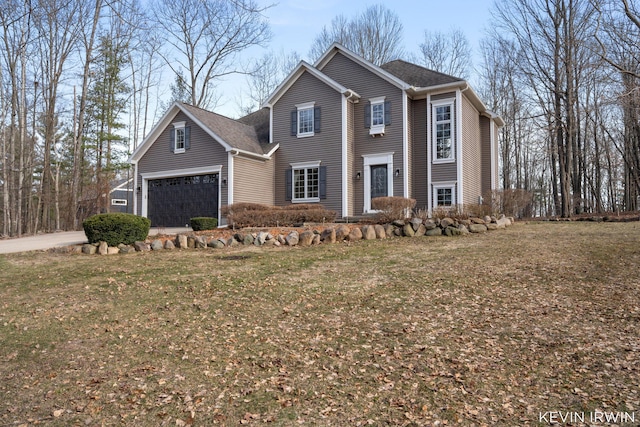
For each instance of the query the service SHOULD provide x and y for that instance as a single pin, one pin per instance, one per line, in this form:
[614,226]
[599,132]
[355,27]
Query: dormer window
[377,115]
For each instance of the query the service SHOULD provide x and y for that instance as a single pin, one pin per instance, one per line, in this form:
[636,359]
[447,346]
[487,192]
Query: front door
[379,187]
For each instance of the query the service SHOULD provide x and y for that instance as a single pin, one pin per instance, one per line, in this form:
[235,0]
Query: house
[121,196]
[340,132]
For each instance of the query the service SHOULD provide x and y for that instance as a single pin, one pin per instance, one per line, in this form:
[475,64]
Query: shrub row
[256,215]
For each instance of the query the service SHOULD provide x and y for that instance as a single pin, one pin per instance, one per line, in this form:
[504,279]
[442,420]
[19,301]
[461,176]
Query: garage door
[172,202]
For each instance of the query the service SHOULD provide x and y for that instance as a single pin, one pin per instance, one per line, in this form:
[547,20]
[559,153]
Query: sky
[295,24]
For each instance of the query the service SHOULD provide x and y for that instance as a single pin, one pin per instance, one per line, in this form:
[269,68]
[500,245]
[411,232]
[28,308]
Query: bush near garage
[116,228]
[241,215]
[204,223]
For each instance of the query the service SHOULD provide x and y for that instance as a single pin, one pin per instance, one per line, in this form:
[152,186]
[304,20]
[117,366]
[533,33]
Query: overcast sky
[295,24]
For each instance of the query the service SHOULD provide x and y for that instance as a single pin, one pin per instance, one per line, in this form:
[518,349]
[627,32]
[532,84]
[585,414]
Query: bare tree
[448,53]
[375,34]
[206,37]
[270,70]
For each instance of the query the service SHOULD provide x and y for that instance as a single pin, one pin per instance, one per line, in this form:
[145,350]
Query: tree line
[83,81]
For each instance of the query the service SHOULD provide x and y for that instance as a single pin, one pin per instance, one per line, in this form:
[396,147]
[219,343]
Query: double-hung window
[179,137]
[305,120]
[443,132]
[377,115]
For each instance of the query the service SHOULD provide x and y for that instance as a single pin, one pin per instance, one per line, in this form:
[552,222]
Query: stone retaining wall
[414,227]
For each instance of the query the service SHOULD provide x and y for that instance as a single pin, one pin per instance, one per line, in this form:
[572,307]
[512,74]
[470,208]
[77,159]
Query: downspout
[135,186]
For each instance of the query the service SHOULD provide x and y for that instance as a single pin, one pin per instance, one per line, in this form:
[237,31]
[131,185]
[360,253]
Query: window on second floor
[179,137]
[305,120]
[443,132]
[377,115]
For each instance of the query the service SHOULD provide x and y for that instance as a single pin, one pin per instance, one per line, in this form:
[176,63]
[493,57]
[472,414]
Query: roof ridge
[423,67]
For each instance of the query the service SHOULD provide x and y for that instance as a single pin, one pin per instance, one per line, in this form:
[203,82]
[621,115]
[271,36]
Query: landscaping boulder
[354,234]
[477,228]
[248,239]
[368,232]
[157,245]
[328,235]
[421,231]
[201,242]
[398,223]
[181,241]
[342,232]
[415,223]
[126,249]
[292,238]
[429,224]
[169,245]
[103,248]
[434,232]
[491,226]
[477,220]
[112,250]
[407,230]
[388,230]
[191,242]
[261,237]
[142,246]
[446,222]
[306,238]
[380,231]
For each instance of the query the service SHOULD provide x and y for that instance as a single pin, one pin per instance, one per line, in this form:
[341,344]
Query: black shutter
[288,183]
[323,182]
[187,137]
[387,113]
[172,139]
[367,115]
[316,120]
[294,122]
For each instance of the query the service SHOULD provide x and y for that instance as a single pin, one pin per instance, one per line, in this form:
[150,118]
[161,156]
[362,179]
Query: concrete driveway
[65,238]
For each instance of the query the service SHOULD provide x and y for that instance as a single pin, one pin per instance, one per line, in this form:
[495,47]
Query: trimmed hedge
[392,208]
[116,228]
[256,215]
[204,223]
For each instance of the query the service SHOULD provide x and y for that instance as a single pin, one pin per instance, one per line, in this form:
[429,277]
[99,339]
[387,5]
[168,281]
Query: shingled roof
[418,76]
[236,134]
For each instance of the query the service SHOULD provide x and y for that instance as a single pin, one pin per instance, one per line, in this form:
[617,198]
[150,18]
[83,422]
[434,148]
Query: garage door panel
[172,202]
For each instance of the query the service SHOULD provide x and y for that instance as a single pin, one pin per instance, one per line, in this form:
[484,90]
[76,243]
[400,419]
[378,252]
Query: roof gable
[233,135]
[295,75]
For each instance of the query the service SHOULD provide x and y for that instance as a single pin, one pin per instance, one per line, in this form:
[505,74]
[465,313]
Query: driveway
[65,238]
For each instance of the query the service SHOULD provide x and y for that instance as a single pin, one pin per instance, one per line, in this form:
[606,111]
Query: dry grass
[483,330]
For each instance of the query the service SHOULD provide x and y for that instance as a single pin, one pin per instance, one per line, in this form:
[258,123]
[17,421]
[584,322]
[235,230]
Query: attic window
[179,137]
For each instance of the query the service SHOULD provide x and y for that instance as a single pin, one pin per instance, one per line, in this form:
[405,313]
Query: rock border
[414,227]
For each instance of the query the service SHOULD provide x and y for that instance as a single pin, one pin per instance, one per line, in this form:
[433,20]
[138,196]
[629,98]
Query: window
[305,120]
[445,195]
[306,182]
[377,115]
[443,141]
[179,138]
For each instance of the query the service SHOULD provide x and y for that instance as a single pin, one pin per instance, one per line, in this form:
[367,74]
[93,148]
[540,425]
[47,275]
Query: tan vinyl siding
[419,157]
[253,181]
[204,152]
[486,126]
[442,96]
[325,146]
[471,154]
[369,85]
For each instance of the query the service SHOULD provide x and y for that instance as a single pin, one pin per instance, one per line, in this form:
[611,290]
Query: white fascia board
[405,144]
[337,47]
[345,158]
[295,74]
[230,177]
[459,146]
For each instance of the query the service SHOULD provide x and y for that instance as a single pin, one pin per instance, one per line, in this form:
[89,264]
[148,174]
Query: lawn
[496,329]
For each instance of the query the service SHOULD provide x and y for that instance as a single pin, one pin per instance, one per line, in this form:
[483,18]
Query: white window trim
[434,130]
[376,129]
[176,127]
[299,166]
[372,160]
[441,186]
[304,107]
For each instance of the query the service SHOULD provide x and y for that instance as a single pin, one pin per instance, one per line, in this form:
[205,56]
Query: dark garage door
[172,202]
